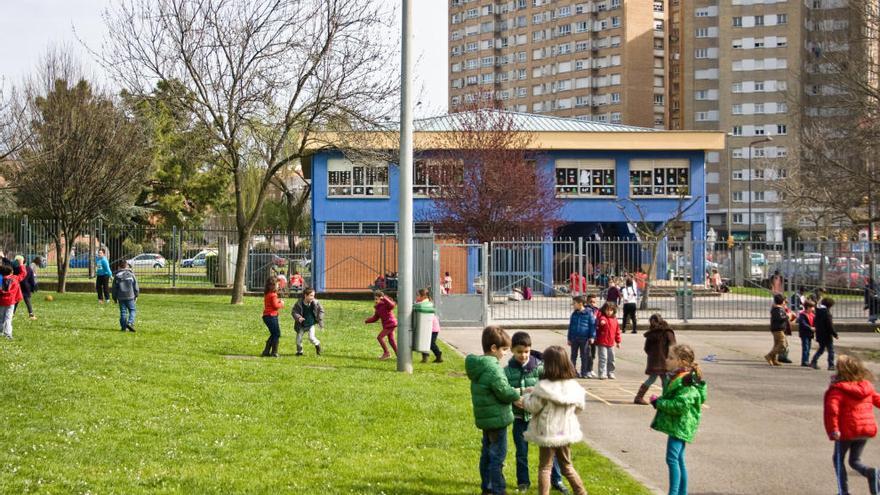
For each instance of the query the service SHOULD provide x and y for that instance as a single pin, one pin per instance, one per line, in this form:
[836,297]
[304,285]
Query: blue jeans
[272,324]
[678,475]
[129,308]
[492,461]
[581,347]
[806,343]
[522,456]
[823,348]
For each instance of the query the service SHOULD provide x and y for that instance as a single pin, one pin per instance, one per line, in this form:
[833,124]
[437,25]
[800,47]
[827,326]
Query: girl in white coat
[554,404]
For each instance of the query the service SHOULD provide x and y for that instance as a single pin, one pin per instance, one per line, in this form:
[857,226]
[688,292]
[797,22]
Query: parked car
[79,261]
[147,259]
[198,259]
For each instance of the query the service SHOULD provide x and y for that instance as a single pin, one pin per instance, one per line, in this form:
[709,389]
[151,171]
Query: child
[384,310]
[581,333]
[678,412]
[102,276]
[658,339]
[607,336]
[523,371]
[778,321]
[630,296]
[447,283]
[806,330]
[28,284]
[125,292]
[10,295]
[491,396]
[307,313]
[849,419]
[592,305]
[296,281]
[271,304]
[554,403]
[796,300]
[825,333]
[425,295]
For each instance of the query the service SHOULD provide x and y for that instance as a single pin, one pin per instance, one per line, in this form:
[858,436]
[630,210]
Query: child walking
[607,337]
[825,333]
[523,372]
[554,404]
[678,412]
[807,329]
[581,333]
[307,314]
[425,295]
[384,311]
[491,397]
[849,419]
[658,339]
[10,295]
[125,292]
[271,304]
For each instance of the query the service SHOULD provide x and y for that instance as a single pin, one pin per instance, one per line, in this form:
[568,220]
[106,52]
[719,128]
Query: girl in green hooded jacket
[678,412]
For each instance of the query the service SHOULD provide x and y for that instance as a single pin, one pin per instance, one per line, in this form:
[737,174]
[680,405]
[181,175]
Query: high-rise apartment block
[604,61]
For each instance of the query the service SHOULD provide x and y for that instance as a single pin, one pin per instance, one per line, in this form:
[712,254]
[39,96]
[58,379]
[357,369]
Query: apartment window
[615,97]
[564,49]
[758,196]
[759,43]
[737,130]
[348,179]
[658,82]
[581,27]
[737,218]
[701,53]
[658,99]
[781,129]
[759,218]
[521,57]
[615,22]
[737,196]
[564,30]
[759,131]
[759,108]
[781,107]
[521,74]
[659,177]
[736,87]
[737,44]
[781,18]
[522,4]
[782,173]
[615,117]
[737,174]
[759,86]
[581,46]
[521,92]
[759,20]
[564,11]
[737,109]
[584,178]
[615,4]
[737,21]
[472,14]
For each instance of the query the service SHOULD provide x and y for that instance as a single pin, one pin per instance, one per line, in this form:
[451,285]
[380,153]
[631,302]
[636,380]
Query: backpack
[125,285]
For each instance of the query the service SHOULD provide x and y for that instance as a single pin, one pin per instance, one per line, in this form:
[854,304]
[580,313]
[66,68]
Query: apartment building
[603,61]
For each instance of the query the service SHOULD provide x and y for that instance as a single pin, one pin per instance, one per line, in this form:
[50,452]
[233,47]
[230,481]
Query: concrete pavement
[762,429]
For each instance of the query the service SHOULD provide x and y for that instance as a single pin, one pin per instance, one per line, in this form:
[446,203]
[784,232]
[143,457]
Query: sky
[29,27]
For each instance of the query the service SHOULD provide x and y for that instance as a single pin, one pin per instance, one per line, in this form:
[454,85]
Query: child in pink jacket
[384,311]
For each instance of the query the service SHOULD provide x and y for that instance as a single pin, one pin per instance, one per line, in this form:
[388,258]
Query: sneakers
[299,353]
[130,328]
[559,487]
[831,367]
[815,366]
[589,375]
[522,488]
[611,376]
[424,358]
[318,349]
[601,376]
[438,359]
[32,317]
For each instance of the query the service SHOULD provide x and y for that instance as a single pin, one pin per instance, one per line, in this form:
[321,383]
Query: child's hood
[475,365]
[856,390]
[565,392]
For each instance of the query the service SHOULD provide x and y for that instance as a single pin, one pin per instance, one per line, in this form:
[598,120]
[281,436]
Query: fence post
[174,255]
[485,259]
[579,253]
[93,234]
[786,263]
[688,282]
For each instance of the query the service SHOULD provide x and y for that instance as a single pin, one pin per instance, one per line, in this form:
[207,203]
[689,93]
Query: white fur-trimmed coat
[554,406]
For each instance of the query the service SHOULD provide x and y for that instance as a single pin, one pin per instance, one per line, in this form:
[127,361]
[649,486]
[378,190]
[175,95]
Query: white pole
[405,228]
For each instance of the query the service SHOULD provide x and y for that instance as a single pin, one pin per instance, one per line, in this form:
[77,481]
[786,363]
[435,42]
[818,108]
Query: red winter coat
[12,296]
[849,409]
[607,331]
[384,312]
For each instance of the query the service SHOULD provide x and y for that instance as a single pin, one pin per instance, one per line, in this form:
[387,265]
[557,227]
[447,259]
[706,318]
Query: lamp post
[729,187]
[405,230]
[759,141]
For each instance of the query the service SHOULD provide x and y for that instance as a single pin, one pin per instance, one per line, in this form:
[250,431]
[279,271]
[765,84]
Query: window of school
[360,180]
[585,178]
[431,175]
[360,228]
[659,178]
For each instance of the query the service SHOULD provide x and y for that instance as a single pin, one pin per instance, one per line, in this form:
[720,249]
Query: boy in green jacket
[523,372]
[491,396]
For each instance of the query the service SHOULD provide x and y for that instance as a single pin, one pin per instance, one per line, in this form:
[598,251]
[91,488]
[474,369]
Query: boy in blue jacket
[581,333]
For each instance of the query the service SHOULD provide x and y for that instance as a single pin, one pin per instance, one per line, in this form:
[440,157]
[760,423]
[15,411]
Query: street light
[405,230]
[759,141]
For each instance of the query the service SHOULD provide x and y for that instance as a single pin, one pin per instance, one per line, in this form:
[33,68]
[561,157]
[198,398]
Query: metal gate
[460,284]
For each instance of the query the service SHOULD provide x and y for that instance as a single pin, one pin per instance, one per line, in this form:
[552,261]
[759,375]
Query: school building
[596,165]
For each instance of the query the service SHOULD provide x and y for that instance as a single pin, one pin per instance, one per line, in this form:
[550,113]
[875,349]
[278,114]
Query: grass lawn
[183,406]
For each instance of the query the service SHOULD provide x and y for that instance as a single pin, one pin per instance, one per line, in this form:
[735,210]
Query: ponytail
[685,354]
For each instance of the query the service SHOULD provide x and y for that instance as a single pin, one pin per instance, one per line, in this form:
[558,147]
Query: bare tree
[653,232]
[83,156]
[485,179]
[296,192]
[264,75]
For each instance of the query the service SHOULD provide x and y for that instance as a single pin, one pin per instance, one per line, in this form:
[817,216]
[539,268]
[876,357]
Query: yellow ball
[50,298]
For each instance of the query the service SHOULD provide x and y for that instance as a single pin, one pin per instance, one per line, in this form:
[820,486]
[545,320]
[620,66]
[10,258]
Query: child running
[554,404]
[607,336]
[271,304]
[523,372]
[658,339]
[384,311]
[825,333]
[678,412]
[307,314]
[491,397]
[425,295]
[849,419]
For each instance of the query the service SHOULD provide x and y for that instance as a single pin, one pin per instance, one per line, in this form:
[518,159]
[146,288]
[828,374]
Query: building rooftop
[526,122]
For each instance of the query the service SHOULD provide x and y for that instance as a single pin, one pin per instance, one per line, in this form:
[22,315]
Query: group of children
[307,313]
[814,320]
[539,395]
[593,331]
[18,281]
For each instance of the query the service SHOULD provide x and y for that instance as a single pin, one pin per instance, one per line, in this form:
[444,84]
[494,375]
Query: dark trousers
[102,287]
[583,348]
[273,326]
[492,461]
[806,343]
[855,448]
[629,313]
[522,456]
[822,348]
[434,347]
[27,302]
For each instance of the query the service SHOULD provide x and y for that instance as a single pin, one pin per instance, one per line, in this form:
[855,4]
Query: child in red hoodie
[10,295]
[849,419]
[271,304]
[607,337]
[384,311]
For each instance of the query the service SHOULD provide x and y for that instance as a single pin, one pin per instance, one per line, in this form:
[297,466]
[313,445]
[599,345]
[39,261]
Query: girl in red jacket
[849,419]
[10,295]
[271,304]
[607,337]
[384,311]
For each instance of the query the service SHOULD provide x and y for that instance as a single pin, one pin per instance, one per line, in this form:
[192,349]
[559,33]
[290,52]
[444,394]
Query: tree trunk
[244,235]
[62,257]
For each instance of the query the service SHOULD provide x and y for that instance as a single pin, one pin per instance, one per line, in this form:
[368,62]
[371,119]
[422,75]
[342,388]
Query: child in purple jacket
[384,311]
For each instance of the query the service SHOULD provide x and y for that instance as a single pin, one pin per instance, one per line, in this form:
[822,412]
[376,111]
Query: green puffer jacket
[522,376]
[679,408]
[491,395]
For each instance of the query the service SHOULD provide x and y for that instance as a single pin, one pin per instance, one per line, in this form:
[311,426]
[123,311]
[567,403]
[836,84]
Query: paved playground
[761,432]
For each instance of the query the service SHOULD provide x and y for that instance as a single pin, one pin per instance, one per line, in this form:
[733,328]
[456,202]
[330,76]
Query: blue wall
[384,209]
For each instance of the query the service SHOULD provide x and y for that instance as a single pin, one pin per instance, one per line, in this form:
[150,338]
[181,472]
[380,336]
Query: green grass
[182,406]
